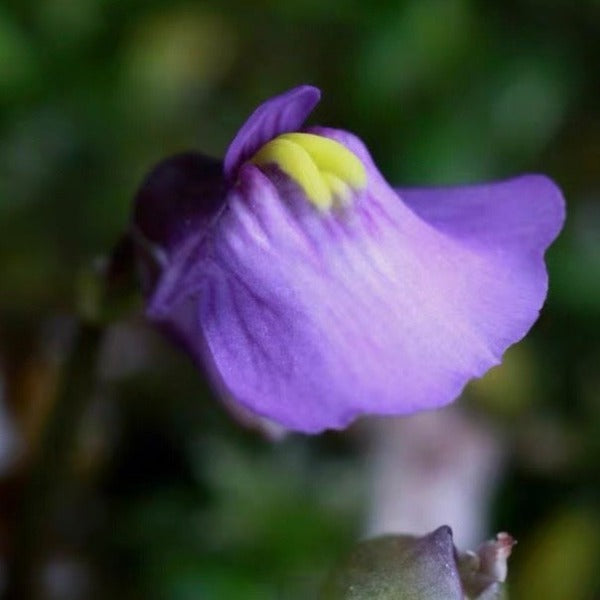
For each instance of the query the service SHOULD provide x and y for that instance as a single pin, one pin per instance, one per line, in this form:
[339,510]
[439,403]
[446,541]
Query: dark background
[163,495]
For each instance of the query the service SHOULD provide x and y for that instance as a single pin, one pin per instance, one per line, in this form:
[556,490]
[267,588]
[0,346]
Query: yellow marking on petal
[338,188]
[323,168]
[293,160]
[332,156]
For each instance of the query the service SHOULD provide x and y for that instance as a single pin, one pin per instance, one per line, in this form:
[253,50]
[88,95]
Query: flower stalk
[50,464]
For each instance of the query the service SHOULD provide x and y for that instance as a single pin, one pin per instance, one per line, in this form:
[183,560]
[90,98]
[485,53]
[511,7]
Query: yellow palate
[325,169]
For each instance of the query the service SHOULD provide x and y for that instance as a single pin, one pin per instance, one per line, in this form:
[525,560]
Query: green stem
[50,464]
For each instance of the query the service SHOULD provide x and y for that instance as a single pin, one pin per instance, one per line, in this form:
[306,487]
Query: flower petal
[312,319]
[281,114]
[526,212]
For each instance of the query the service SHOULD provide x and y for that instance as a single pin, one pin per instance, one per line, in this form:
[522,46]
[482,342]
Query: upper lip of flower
[283,114]
[312,317]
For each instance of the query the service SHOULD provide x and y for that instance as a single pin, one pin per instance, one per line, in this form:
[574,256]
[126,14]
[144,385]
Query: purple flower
[313,292]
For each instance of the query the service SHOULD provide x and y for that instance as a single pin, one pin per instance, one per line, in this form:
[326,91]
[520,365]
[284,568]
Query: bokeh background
[163,495]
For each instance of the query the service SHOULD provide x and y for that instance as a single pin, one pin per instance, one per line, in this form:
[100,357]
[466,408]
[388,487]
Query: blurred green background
[165,496]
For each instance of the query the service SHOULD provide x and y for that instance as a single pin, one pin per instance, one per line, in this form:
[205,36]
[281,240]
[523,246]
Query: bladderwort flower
[313,292]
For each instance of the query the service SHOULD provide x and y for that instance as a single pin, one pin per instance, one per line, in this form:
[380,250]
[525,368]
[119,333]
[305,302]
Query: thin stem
[50,464]
[434,468]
